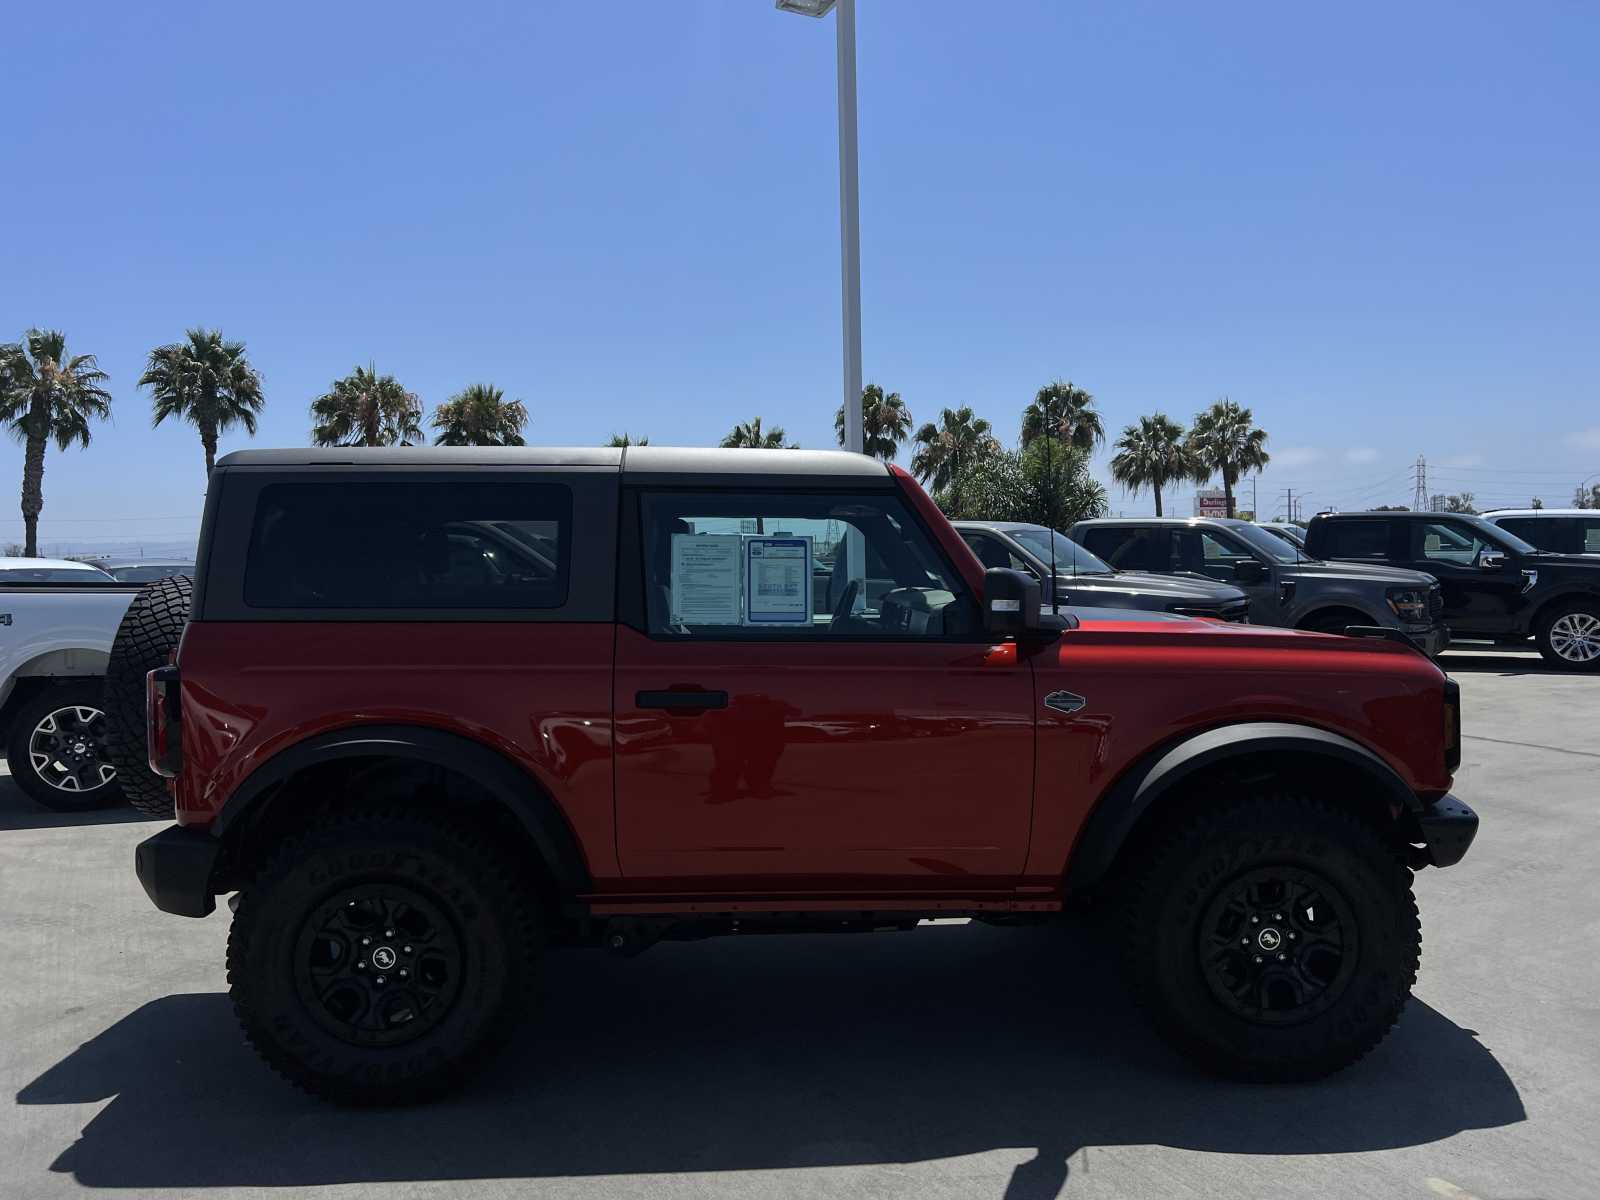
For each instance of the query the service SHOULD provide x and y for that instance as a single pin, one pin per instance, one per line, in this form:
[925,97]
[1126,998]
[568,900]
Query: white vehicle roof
[1540,512]
[55,564]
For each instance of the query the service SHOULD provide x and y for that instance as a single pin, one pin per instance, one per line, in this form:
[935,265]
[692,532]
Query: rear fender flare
[512,787]
[1119,810]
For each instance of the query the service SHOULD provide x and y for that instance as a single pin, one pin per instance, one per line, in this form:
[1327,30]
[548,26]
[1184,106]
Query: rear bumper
[175,867]
[1447,827]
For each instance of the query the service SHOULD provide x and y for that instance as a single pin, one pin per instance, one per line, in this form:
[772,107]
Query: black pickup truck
[1495,585]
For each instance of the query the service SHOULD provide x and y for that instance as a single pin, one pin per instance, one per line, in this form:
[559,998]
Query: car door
[887,744]
[1476,599]
[1216,554]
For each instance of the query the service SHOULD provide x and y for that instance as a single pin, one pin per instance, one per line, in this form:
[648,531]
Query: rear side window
[1590,543]
[376,546]
[1356,539]
[1128,548]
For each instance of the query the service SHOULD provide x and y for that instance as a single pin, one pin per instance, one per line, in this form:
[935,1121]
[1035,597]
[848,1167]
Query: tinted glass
[1456,543]
[1356,539]
[377,546]
[1071,558]
[52,575]
[1591,535]
[1130,548]
[1259,539]
[992,552]
[151,574]
[704,576]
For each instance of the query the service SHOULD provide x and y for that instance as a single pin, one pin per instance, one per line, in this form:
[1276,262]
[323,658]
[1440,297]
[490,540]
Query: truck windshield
[1071,558]
[1269,544]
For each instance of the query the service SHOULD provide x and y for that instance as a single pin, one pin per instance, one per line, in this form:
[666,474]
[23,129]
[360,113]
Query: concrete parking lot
[955,1061]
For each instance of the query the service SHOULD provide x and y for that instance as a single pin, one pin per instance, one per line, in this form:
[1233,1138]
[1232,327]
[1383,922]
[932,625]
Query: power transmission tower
[1419,497]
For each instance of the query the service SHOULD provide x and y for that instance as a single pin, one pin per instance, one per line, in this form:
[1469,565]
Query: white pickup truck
[57,621]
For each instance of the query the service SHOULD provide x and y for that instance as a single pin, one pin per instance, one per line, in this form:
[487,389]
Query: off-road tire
[82,693]
[1187,868]
[145,640]
[1544,634]
[470,885]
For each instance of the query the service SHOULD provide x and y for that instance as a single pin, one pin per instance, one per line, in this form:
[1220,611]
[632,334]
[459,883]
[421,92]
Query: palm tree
[1224,440]
[947,449]
[366,409]
[621,441]
[1065,411]
[748,435]
[480,415]
[885,422]
[208,382]
[1153,454]
[46,396]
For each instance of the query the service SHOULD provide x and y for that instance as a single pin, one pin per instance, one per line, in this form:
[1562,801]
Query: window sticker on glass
[777,580]
[705,579]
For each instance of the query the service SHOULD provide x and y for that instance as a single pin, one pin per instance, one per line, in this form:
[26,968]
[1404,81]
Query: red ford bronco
[436,710]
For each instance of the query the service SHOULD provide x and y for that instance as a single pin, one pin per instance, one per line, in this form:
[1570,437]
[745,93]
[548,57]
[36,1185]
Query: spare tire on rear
[145,640]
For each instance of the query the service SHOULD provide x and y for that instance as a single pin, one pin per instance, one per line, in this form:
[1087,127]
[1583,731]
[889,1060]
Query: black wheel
[1272,937]
[1569,635]
[380,955]
[57,749]
[145,640]
[1334,620]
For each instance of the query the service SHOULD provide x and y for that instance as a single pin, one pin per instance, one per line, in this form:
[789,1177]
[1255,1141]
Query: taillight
[163,734]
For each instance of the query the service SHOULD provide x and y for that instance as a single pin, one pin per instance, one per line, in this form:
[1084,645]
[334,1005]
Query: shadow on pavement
[19,812]
[761,1053]
[1488,658]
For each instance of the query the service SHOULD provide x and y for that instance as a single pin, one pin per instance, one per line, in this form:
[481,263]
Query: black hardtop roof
[654,464]
[1407,514]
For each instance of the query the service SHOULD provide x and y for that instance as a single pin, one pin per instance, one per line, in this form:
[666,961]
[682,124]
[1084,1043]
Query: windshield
[1071,558]
[1269,544]
[1499,535]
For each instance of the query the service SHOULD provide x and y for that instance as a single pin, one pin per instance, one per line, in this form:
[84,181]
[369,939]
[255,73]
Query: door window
[992,552]
[1356,539]
[796,567]
[1591,535]
[1447,542]
[1129,548]
[1213,555]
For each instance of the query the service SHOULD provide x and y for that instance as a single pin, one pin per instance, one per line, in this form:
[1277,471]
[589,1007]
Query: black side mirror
[1249,570]
[1010,602]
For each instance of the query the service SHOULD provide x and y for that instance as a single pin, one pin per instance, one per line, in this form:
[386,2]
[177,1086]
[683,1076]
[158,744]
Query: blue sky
[1373,224]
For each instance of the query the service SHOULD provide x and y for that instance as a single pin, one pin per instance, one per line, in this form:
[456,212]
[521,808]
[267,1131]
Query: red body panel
[836,765]
[538,693]
[1148,684]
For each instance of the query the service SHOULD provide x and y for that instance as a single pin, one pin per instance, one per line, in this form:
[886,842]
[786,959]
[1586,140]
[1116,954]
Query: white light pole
[849,206]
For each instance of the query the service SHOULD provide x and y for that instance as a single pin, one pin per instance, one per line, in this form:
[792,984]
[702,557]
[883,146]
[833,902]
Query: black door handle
[682,700]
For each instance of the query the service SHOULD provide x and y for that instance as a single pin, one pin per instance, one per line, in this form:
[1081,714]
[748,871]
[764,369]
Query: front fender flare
[1119,810]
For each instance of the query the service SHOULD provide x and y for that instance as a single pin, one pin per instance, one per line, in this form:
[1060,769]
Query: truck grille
[1238,611]
[1435,602]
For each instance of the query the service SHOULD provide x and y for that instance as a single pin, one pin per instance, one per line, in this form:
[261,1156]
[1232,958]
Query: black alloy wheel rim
[67,749]
[1278,945]
[378,964]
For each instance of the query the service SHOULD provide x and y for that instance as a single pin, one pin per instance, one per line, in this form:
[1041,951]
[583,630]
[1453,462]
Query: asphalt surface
[953,1061]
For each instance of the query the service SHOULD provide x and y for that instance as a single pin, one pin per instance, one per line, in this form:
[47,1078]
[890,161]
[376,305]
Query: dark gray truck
[1286,586]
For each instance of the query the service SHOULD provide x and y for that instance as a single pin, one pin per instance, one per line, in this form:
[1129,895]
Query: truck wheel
[145,640]
[378,956]
[1569,635]
[57,749]
[1272,937]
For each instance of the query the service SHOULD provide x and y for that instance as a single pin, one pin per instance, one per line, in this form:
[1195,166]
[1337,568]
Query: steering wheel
[846,605]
